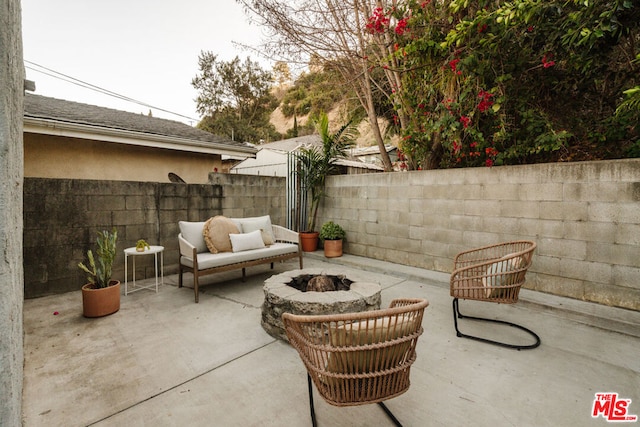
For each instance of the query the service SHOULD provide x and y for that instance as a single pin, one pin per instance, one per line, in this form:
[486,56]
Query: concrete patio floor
[163,360]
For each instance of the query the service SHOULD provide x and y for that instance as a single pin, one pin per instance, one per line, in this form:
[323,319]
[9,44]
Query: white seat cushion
[209,260]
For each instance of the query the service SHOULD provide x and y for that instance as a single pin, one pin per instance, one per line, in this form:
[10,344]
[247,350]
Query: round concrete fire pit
[280,298]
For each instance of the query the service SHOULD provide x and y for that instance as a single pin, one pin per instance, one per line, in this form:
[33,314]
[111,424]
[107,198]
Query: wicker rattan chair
[358,358]
[492,273]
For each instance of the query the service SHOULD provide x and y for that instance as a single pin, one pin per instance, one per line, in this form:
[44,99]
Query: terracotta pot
[309,240]
[333,248]
[100,302]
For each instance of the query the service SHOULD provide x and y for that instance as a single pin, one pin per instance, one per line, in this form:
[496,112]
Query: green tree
[282,73]
[327,31]
[315,92]
[234,98]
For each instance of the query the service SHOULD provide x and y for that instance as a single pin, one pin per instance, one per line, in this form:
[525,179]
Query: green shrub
[331,231]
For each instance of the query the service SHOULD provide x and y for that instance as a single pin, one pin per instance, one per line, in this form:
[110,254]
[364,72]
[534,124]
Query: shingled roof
[292,144]
[41,110]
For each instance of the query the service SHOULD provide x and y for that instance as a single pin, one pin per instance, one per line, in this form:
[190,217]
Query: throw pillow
[216,234]
[267,238]
[246,241]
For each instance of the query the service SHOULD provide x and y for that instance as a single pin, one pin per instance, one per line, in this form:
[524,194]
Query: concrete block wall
[585,218]
[62,216]
[252,195]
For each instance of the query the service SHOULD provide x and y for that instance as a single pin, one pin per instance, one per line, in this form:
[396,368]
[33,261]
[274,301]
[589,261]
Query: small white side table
[155,250]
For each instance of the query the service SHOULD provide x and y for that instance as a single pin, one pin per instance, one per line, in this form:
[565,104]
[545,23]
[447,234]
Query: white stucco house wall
[271,159]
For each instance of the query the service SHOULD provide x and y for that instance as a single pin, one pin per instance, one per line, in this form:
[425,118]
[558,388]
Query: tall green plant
[100,268]
[315,163]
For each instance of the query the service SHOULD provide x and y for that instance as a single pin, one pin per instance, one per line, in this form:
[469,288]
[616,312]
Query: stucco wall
[11,295]
[47,156]
[267,163]
[62,216]
[585,218]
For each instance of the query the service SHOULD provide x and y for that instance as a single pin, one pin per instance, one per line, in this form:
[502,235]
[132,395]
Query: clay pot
[100,302]
[309,240]
[332,248]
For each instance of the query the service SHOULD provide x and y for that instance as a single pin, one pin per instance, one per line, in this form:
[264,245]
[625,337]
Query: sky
[146,50]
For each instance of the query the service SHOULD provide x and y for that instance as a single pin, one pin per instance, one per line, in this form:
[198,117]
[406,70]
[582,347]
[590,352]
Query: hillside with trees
[465,83]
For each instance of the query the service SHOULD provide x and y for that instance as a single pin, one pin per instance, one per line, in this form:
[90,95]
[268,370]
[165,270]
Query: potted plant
[314,164]
[332,235]
[101,295]
[142,245]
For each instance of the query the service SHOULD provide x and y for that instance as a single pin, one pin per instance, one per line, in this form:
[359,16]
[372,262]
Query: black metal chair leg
[313,411]
[457,315]
[389,414]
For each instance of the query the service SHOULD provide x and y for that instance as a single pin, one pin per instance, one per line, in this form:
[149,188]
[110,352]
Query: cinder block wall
[252,195]
[585,218]
[62,216]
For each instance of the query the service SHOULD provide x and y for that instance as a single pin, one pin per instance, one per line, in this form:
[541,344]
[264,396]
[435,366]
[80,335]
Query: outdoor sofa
[223,244]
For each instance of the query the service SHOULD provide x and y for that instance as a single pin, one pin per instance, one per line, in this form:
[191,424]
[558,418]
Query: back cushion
[501,274]
[370,331]
[262,223]
[192,233]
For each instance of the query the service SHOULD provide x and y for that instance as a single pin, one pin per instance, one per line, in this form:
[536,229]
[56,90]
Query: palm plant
[315,163]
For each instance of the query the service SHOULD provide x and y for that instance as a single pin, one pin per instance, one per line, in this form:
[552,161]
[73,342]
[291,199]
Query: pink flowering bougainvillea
[485,100]
[456,147]
[401,27]
[453,64]
[491,153]
[377,23]
[503,76]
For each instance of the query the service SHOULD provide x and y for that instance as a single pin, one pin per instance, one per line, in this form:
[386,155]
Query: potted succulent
[101,295]
[142,245]
[314,164]
[332,235]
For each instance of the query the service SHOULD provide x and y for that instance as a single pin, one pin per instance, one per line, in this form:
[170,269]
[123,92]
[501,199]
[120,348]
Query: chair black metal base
[457,315]
[313,411]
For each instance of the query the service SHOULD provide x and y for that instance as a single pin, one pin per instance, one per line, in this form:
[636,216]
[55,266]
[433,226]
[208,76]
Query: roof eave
[121,136]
